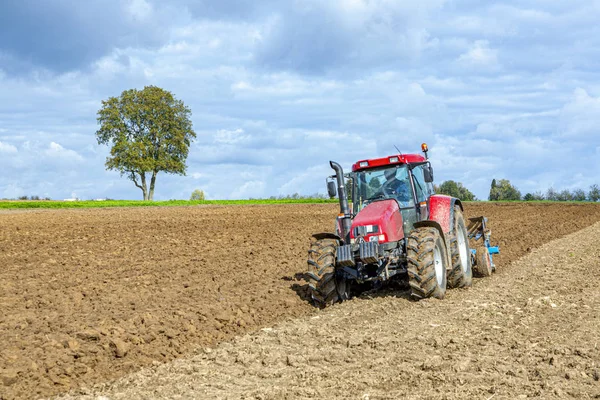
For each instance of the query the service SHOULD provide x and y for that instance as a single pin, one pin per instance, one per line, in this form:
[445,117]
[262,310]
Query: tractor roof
[389,160]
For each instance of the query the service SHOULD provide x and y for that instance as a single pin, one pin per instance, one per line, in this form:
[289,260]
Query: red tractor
[398,229]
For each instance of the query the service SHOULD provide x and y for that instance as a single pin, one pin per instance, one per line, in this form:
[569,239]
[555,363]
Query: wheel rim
[439,266]
[463,250]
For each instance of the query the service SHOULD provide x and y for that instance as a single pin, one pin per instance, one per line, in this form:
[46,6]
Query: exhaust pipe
[344,208]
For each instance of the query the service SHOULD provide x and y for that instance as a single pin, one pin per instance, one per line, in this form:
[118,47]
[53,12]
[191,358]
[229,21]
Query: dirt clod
[89,335]
[119,347]
[9,377]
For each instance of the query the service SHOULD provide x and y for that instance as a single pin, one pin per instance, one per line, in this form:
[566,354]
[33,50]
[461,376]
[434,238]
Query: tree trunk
[144,187]
[152,182]
[133,178]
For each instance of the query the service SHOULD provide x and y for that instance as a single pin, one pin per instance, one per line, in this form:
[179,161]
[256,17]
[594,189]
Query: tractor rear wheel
[461,274]
[427,263]
[324,286]
[483,264]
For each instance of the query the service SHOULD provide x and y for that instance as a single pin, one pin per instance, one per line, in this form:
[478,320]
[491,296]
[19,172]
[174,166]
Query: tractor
[395,229]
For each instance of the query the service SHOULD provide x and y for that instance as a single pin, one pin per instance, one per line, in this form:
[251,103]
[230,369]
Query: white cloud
[56,151]
[7,148]
[254,189]
[580,118]
[140,9]
[231,137]
[480,54]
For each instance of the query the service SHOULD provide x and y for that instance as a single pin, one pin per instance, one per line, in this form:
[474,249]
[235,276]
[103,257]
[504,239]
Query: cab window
[421,187]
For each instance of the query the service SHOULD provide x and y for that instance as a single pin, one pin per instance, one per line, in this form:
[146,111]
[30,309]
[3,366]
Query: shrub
[197,195]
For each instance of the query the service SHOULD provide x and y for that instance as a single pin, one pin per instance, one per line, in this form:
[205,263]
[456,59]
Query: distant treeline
[35,198]
[198,195]
[503,190]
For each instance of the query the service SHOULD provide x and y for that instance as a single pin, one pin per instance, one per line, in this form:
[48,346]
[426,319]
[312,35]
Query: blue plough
[478,230]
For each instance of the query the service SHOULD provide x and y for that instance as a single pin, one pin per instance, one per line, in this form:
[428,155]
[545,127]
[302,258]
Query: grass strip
[16,204]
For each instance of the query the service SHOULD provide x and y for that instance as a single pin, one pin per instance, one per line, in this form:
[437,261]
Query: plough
[478,230]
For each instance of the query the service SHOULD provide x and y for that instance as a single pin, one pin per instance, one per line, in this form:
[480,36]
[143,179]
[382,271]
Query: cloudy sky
[278,88]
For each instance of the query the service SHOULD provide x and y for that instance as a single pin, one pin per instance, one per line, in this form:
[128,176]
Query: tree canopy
[455,189]
[150,131]
[594,193]
[503,190]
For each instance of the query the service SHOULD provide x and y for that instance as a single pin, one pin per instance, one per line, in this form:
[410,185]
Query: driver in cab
[394,187]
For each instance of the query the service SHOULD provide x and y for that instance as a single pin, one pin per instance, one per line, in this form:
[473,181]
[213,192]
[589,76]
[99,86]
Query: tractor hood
[379,221]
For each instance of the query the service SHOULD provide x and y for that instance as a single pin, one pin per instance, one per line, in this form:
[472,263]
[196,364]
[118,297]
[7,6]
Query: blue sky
[278,88]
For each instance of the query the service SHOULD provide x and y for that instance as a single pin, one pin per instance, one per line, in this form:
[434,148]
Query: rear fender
[327,235]
[441,210]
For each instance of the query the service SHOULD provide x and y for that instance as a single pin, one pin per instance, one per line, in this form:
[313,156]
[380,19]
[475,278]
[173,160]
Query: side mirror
[428,174]
[331,189]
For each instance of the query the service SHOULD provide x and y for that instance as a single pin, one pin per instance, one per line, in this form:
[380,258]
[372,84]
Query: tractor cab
[382,187]
[406,179]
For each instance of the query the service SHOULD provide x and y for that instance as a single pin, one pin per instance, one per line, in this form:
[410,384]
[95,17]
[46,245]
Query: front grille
[365,230]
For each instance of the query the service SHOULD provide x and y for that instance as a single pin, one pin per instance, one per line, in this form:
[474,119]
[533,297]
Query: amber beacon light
[425,149]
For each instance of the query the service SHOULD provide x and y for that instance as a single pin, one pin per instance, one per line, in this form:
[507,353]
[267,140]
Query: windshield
[383,183]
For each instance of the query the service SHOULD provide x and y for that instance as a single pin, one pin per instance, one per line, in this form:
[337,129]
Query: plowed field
[90,295]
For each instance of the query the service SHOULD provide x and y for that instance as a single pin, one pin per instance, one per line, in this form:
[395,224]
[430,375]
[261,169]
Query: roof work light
[425,149]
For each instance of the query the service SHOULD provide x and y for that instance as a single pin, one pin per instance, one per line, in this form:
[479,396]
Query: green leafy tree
[537,196]
[493,192]
[349,188]
[503,190]
[149,131]
[197,195]
[594,193]
[455,189]
[579,195]
[564,195]
[374,186]
[375,183]
[551,194]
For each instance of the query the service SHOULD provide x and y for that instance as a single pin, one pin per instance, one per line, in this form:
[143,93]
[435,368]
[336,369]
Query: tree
[150,131]
[564,195]
[503,190]
[455,189]
[537,196]
[374,183]
[551,194]
[579,195]
[197,195]
[594,193]
[349,188]
[493,192]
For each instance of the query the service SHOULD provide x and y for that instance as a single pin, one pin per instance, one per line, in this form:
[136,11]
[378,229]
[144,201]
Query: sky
[506,90]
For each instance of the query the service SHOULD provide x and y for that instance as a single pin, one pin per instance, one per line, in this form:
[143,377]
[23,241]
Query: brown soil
[90,295]
[530,331]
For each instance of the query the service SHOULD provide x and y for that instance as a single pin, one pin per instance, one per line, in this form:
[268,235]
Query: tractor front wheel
[427,263]
[461,274]
[324,286]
